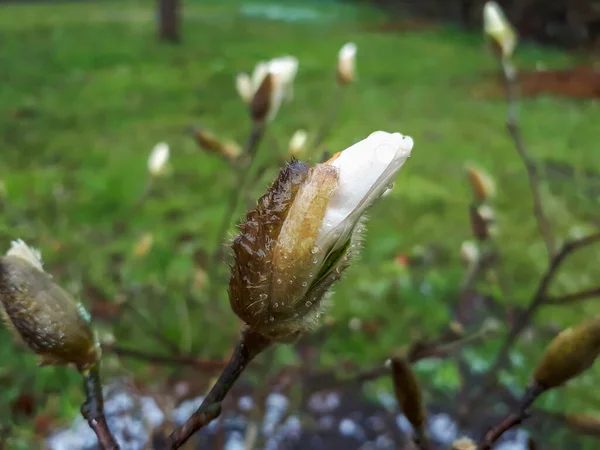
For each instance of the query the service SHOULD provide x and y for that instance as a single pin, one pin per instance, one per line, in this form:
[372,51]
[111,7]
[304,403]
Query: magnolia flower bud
[210,142]
[298,143]
[157,162]
[346,70]
[572,352]
[300,237]
[499,29]
[482,221]
[42,314]
[469,253]
[408,394]
[271,83]
[482,185]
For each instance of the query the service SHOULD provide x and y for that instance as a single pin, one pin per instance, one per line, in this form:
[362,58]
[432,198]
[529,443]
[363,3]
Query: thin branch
[93,409]
[165,360]
[536,302]
[416,352]
[242,175]
[572,298]
[330,117]
[250,345]
[512,420]
[510,82]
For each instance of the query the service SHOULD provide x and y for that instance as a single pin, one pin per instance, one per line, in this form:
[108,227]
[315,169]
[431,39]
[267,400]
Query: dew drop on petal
[315,260]
[308,303]
[314,250]
[304,283]
[278,280]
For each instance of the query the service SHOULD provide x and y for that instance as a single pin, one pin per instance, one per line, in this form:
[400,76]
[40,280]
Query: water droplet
[278,280]
[315,260]
[276,305]
[308,303]
[389,186]
[291,281]
[314,250]
[271,318]
[304,283]
[295,314]
[310,275]
[263,296]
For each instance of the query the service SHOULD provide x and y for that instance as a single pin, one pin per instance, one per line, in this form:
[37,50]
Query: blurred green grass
[87,91]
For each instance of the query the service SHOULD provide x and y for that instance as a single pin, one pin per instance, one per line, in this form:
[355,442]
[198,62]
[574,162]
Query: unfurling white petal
[365,171]
[21,250]
[158,159]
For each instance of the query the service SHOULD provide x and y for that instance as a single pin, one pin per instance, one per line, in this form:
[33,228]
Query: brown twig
[416,352]
[166,360]
[512,420]
[93,409]
[250,345]
[537,301]
[572,298]
[242,175]
[510,82]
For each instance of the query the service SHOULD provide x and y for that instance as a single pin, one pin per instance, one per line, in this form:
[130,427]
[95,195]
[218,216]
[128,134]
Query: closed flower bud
[346,68]
[298,143]
[211,143]
[408,394]
[571,353]
[43,315]
[300,237]
[499,29]
[157,162]
[482,221]
[271,83]
[482,185]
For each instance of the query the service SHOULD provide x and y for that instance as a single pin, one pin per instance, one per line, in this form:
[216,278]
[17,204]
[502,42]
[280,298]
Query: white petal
[496,25]
[158,158]
[21,250]
[260,72]
[366,170]
[243,84]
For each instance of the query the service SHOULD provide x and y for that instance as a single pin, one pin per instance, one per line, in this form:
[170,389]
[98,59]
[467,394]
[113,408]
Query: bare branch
[166,360]
[512,420]
[510,82]
[250,345]
[573,298]
[93,409]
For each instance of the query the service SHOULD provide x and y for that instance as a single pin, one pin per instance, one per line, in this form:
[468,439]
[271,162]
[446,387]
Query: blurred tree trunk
[169,20]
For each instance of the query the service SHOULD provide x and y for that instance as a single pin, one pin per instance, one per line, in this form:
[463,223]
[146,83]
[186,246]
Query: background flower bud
[408,393]
[298,143]
[572,352]
[158,159]
[481,184]
[346,68]
[44,316]
[499,29]
[243,85]
[469,253]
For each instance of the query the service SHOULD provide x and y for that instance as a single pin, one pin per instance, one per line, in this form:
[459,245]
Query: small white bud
[158,159]
[243,84]
[346,69]
[469,253]
[298,143]
[497,27]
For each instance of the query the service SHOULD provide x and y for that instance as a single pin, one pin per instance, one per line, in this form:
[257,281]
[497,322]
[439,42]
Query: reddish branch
[512,420]
[250,345]
[537,301]
[93,409]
